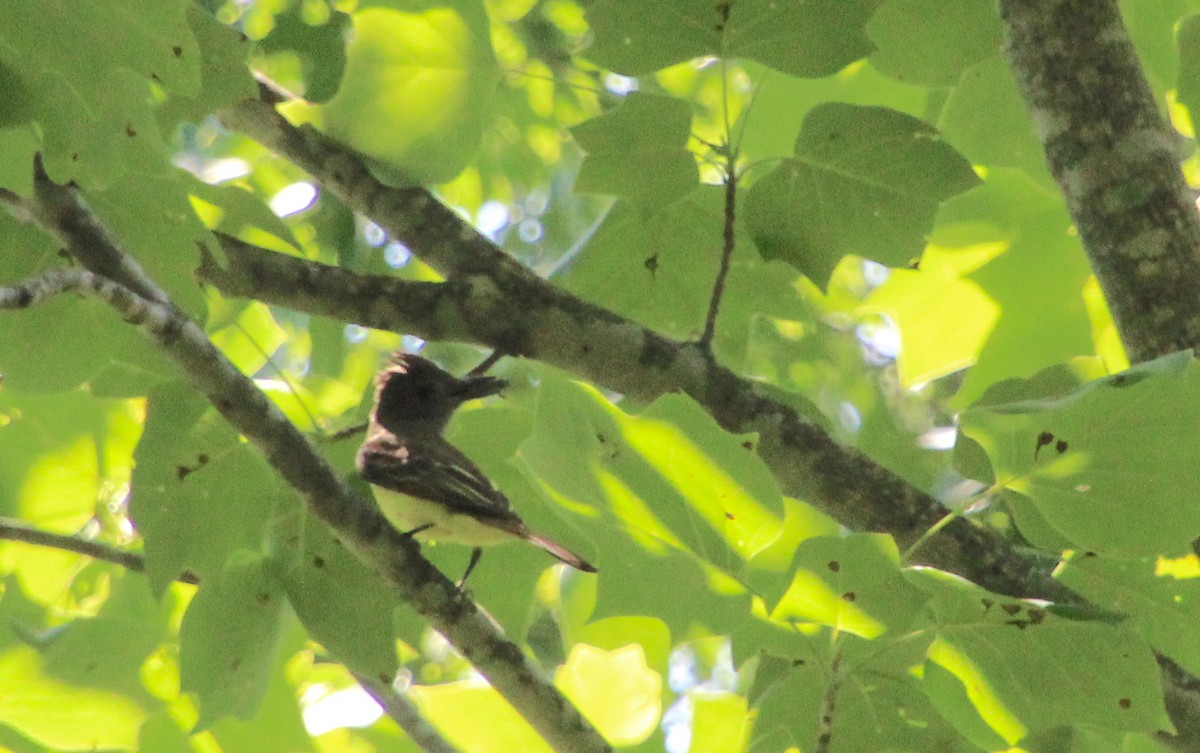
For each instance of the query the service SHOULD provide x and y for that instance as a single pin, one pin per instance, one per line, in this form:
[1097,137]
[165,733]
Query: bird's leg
[415,531]
[476,553]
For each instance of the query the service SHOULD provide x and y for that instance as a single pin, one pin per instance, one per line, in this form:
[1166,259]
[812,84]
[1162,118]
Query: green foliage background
[904,267]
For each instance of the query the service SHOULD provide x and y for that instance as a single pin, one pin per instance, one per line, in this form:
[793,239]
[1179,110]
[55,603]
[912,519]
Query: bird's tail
[561,552]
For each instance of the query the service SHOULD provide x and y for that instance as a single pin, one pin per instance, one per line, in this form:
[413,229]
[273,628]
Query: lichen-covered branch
[1116,161]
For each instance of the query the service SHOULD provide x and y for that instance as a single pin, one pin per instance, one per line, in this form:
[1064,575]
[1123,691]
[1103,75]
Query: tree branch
[91,244]
[357,522]
[493,301]
[1116,162]
[405,714]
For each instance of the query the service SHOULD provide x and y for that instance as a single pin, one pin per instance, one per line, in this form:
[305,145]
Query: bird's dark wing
[435,470]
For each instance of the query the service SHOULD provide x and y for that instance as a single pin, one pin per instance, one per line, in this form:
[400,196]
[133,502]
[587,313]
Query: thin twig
[730,243]
[16,530]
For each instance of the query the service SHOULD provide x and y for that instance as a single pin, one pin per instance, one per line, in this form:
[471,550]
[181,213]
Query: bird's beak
[470,388]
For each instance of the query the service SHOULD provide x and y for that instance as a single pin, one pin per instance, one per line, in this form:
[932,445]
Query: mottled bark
[1116,161]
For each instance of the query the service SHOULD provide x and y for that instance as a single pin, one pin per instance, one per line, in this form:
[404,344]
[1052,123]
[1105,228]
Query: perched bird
[426,486]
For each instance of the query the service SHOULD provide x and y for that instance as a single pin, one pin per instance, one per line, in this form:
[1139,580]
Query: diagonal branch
[357,522]
[406,715]
[493,301]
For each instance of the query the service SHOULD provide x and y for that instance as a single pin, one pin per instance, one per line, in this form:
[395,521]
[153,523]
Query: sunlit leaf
[419,80]
[615,690]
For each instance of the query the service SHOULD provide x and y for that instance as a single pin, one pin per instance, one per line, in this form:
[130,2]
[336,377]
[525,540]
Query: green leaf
[1162,607]
[649,633]
[66,461]
[61,454]
[233,210]
[17,108]
[1155,31]
[1078,739]
[18,144]
[162,733]
[1037,281]
[199,493]
[1082,459]
[278,724]
[822,36]
[769,127]
[1009,657]
[639,152]
[913,50]
[88,66]
[615,690]
[666,269]
[875,681]
[495,727]
[229,637]
[249,335]
[320,48]
[1189,65]
[852,584]
[81,690]
[64,342]
[943,320]
[152,217]
[720,723]
[420,78]
[700,489]
[344,606]
[985,119]
[865,181]
[224,74]
[659,495]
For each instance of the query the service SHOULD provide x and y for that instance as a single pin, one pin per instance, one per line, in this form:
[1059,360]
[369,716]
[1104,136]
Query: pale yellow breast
[409,513]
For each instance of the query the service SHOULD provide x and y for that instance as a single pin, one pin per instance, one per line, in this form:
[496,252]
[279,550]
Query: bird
[425,486]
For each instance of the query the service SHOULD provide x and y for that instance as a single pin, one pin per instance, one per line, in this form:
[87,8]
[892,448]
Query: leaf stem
[730,243]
